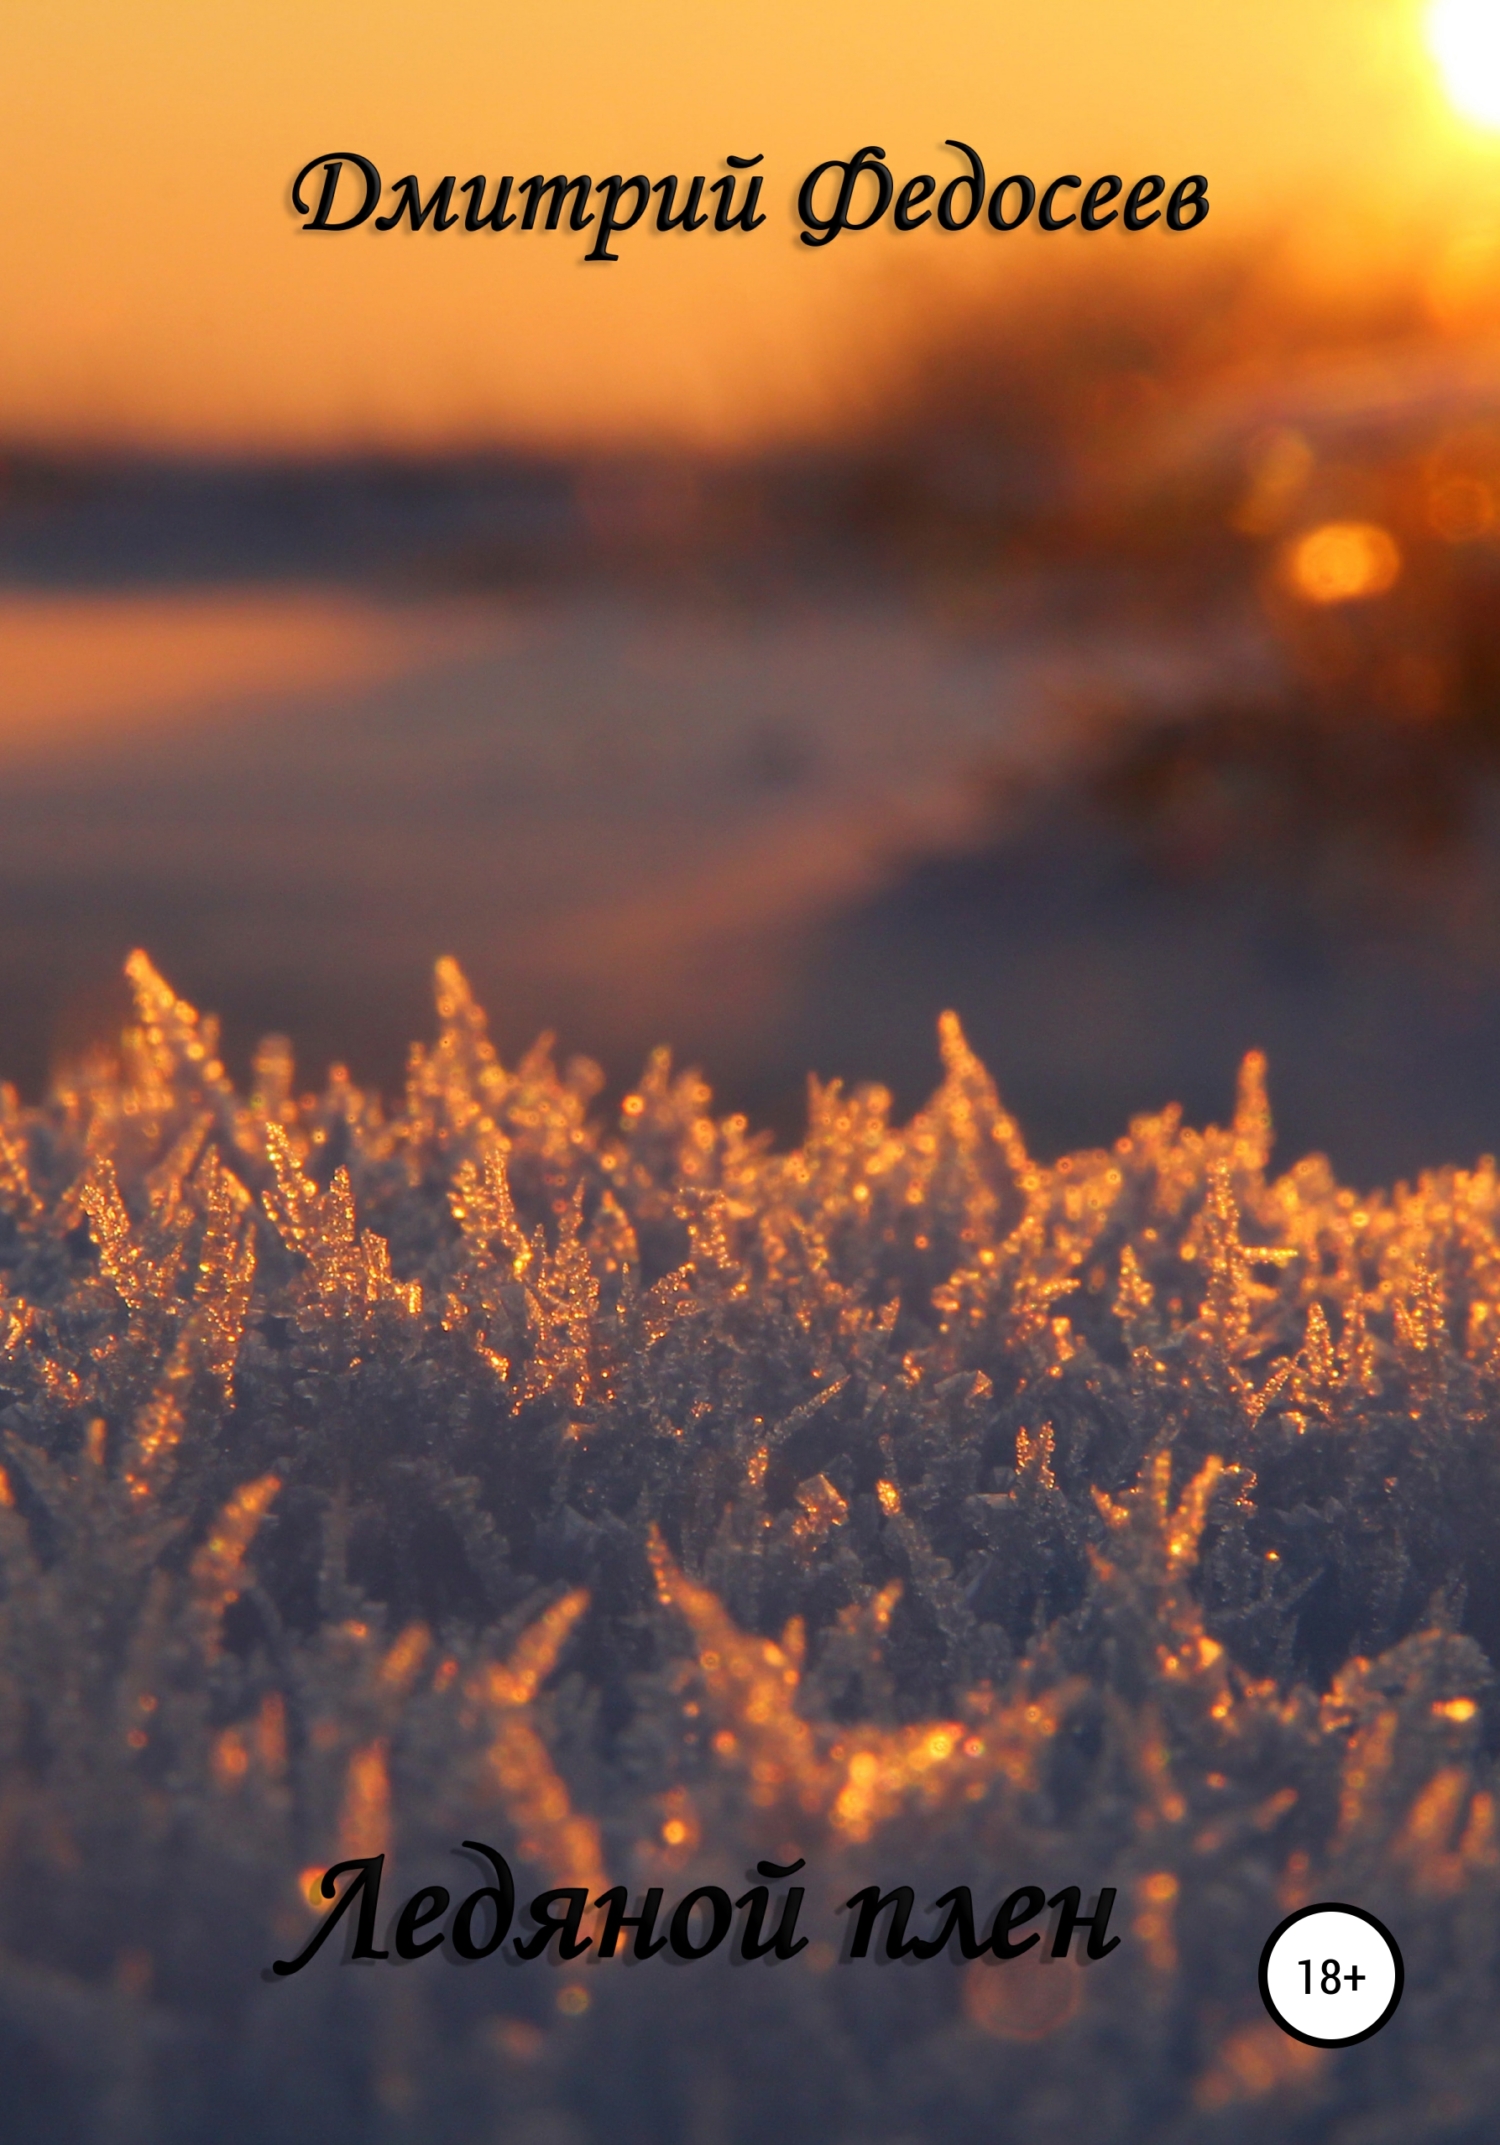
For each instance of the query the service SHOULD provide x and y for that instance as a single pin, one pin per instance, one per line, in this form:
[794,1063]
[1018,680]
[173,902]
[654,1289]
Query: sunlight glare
[1464,37]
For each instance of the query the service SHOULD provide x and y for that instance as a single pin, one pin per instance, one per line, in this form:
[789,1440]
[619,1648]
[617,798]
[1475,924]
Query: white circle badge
[1331,1975]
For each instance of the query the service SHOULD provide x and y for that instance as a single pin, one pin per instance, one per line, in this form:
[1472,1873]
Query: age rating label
[1331,1975]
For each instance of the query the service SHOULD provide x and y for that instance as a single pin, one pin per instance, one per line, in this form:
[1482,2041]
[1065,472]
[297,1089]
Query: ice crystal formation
[642,1500]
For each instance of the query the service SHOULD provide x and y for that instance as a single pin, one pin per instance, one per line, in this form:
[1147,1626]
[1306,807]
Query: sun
[1464,36]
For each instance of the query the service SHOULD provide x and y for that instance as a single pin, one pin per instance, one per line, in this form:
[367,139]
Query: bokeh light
[1462,509]
[1344,562]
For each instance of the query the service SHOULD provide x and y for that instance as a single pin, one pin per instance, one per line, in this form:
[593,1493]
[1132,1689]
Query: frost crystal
[646,1501]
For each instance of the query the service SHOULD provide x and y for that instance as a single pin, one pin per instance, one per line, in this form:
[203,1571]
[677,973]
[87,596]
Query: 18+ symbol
[1325,1951]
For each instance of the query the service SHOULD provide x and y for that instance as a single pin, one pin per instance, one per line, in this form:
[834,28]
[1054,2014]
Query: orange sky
[159,289]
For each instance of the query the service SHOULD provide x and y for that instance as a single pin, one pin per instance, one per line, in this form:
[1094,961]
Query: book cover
[749,1001]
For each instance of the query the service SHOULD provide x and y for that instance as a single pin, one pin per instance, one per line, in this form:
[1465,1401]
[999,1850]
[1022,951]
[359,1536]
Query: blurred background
[759,648]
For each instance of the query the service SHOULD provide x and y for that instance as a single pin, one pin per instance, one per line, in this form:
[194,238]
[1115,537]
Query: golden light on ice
[1343,562]
[1464,36]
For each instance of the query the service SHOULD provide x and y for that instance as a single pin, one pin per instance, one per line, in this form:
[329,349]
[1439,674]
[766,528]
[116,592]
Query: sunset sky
[161,291]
